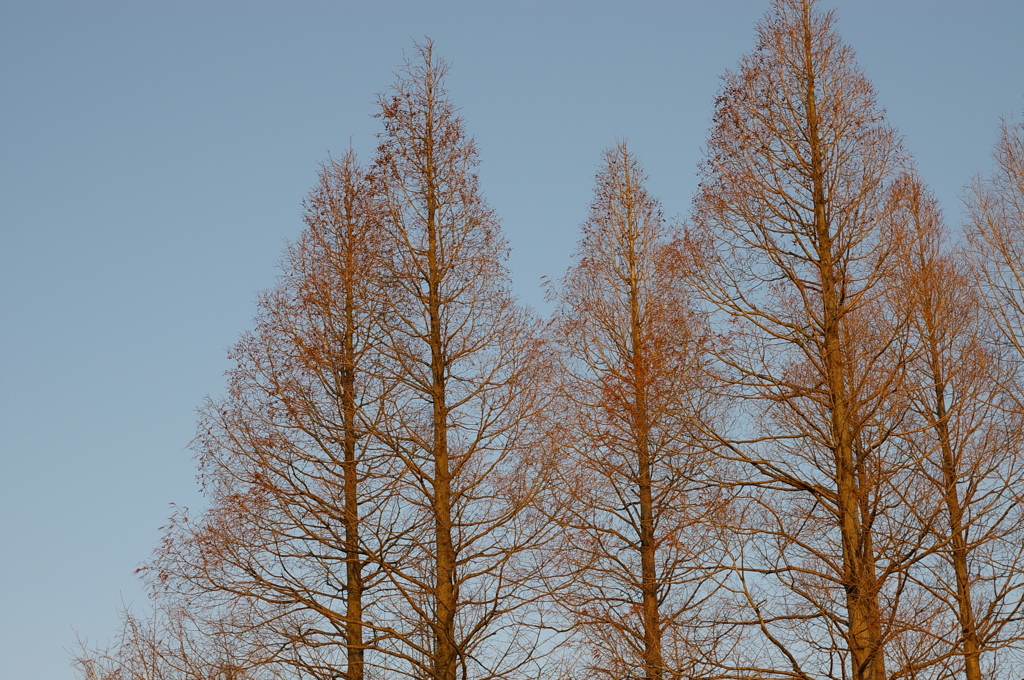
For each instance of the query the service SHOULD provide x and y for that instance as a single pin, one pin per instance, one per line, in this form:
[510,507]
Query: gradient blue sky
[154,156]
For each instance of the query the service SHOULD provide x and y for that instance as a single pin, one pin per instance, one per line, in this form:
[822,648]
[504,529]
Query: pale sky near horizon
[153,161]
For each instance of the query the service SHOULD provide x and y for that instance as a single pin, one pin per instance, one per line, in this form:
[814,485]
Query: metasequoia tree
[461,367]
[405,480]
[169,644]
[634,534]
[969,443]
[996,231]
[297,495]
[796,224]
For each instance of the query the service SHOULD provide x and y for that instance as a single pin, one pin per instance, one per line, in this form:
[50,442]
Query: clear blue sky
[154,156]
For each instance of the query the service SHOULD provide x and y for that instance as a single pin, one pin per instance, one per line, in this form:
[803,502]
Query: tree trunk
[859,578]
[353,559]
[654,663]
[445,660]
[957,532]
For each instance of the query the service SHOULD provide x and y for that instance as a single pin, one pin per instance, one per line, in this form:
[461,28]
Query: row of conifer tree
[780,440]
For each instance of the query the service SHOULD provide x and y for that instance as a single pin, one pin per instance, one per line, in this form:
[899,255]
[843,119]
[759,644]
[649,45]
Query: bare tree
[996,231]
[378,432]
[972,445]
[635,534]
[406,479]
[169,644]
[980,427]
[298,500]
[796,224]
[463,369]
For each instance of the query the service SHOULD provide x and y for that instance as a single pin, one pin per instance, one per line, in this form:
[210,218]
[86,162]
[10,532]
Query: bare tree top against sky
[464,373]
[195,129]
[639,532]
[795,219]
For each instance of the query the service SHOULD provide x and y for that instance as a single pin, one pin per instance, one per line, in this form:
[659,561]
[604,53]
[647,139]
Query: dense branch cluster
[783,438]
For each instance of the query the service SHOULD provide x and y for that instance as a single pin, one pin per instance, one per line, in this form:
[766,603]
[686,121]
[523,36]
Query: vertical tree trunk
[353,558]
[859,578]
[950,467]
[632,387]
[445,661]
[654,663]
[958,533]
[458,353]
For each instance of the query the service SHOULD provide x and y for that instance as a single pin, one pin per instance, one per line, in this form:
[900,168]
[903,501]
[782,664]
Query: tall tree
[297,502]
[970,446]
[635,522]
[795,222]
[462,370]
[996,230]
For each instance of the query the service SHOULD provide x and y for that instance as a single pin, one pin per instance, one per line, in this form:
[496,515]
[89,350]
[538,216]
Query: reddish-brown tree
[970,447]
[996,232]
[170,644]
[462,370]
[635,521]
[984,461]
[796,226]
[291,476]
